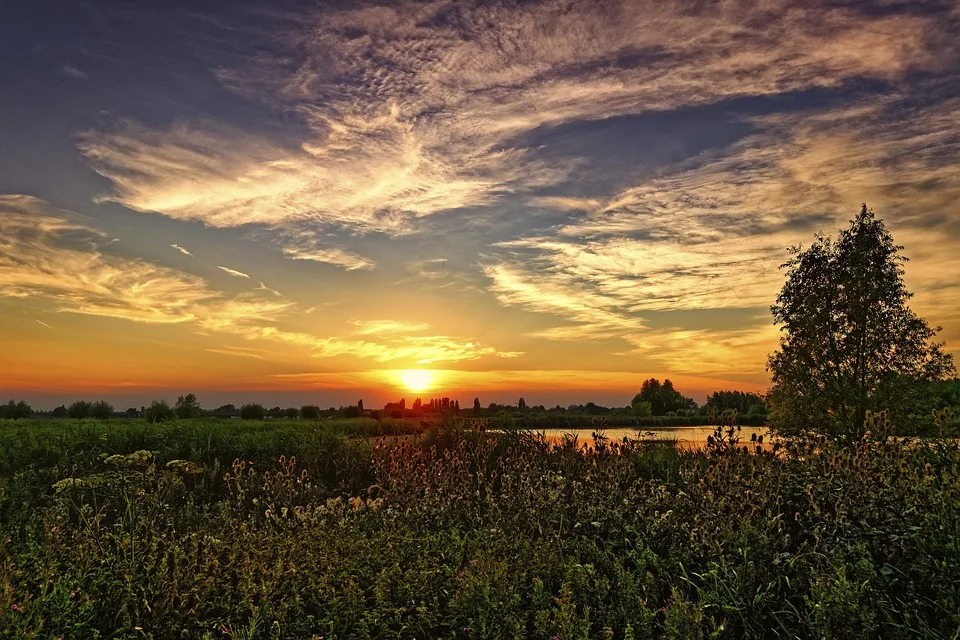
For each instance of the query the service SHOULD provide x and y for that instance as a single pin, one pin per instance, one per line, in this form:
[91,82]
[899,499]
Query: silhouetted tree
[225,411]
[291,412]
[476,404]
[79,410]
[158,411]
[850,343]
[101,410]
[15,410]
[662,397]
[521,404]
[310,412]
[252,411]
[60,412]
[187,407]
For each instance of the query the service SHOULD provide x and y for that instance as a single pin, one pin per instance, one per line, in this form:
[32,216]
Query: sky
[302,202]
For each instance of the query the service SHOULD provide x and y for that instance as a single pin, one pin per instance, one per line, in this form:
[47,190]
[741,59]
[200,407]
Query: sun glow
[417,379]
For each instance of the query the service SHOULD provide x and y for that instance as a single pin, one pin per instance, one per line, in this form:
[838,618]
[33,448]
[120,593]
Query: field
[296,529]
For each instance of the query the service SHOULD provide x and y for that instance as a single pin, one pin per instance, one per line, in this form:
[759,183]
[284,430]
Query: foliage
[663,398]
[60,412]
[101,410]
[79,410]
[205,529]
[14,410]
[187,407]
[850,342]
[641,409]
[159,411]
[310,412]
[744,402]
[253,411]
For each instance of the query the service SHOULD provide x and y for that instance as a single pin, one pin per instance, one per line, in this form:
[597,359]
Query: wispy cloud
[68,70]
[238,352]
[181,249]
[45,324]
[264,287]
[379,327]
[335,256]
[417,108]
[54,255]
[233,272]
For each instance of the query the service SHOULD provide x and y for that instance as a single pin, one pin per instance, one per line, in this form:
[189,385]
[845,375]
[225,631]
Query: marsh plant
[463,532]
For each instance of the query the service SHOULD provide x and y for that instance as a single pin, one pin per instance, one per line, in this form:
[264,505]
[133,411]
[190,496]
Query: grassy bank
[212,529]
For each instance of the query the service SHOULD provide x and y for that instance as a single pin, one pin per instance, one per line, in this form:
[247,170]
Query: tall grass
[289,531]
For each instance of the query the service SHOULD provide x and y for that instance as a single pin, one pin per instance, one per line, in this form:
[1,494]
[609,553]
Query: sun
[417,379]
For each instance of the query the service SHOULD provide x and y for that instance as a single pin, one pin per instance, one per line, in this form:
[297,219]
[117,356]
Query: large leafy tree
[850,343]
[663,398]
[187,407]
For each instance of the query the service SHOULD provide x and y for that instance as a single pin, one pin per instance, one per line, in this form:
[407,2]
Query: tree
[158,411]
[187,407]
[849,341]
[521,404]
[253,411]
[60,412]
[101,410]
[15,410]
[79,410]
[476,404]
[310,412]
[662,397]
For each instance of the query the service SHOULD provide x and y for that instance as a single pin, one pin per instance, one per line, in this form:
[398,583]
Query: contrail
[45,324]
[233,272]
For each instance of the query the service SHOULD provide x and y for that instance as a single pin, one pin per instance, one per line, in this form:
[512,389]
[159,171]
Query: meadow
[340,529]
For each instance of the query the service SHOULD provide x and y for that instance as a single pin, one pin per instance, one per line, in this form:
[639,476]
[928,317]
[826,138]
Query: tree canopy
[849,341]
[663,398]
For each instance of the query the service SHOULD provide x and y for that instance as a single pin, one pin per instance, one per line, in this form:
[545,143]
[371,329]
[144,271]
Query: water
[685,437]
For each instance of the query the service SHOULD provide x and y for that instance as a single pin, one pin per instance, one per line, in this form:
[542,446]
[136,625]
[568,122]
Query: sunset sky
[297,202]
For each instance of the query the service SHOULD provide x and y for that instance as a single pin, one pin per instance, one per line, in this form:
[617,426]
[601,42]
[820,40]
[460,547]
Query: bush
[158,411]
[254,411]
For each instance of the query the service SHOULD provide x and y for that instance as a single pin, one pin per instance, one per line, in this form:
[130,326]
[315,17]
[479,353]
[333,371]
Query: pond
[683,437]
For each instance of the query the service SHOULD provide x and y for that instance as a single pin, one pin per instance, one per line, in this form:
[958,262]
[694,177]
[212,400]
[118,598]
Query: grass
[208,529]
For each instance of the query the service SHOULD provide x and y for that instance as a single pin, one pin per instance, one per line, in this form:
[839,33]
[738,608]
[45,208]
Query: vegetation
[158,411]
[294,529]
[663,398]
[253,411]
[14,410]
[850,342]
[304,526]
